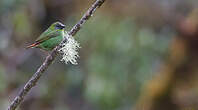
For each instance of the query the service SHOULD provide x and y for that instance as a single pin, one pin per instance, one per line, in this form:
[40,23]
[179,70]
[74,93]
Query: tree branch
[50,58]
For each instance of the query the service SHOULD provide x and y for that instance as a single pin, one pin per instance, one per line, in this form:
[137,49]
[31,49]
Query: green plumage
[50,43]
[50,38]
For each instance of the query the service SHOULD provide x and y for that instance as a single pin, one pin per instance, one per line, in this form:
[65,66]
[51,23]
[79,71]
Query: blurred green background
[135,55]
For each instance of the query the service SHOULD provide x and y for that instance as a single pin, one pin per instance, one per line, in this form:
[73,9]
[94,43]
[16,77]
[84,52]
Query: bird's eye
[57,27]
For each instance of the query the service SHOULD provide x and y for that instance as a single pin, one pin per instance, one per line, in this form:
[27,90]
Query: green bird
[50,38]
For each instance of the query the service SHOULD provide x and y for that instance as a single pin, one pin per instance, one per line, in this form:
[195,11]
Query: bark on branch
[49,59]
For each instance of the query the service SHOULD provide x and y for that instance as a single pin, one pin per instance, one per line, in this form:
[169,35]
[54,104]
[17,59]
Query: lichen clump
[69,50]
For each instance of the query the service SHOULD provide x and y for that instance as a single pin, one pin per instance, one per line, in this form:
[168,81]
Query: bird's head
[57,25]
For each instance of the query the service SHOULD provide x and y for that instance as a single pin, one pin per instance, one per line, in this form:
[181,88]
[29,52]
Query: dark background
[135,55]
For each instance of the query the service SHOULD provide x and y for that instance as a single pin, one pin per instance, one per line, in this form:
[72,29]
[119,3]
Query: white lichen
[69,50]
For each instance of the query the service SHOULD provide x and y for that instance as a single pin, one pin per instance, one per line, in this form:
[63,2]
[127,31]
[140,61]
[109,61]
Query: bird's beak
[62,26]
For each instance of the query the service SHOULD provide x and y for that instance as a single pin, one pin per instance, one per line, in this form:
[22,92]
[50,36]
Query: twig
[50,58]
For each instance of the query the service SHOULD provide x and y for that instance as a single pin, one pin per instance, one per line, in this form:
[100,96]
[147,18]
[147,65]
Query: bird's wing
[47,35]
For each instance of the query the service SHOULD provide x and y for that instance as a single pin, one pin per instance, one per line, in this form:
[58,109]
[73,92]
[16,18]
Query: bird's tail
[32,45]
